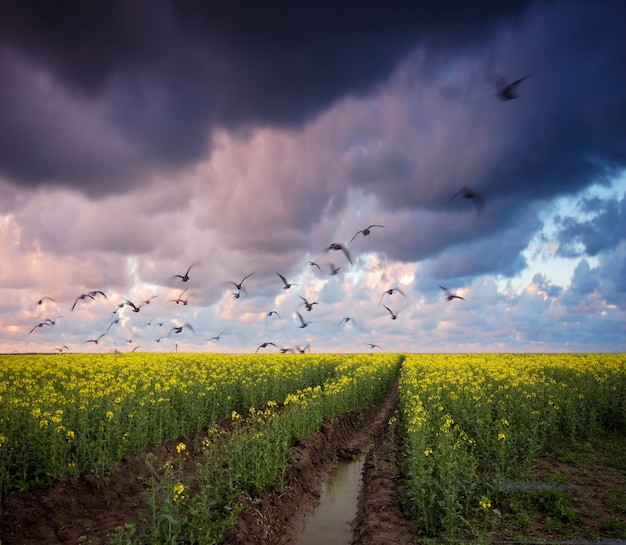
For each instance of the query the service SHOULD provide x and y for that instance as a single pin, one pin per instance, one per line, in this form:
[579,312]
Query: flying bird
[333,270]
[116,321]
[239,285]
[96,340]
[40,302]
[180,300]
[470,194]
[340,247]
[346,320]
[506,90]
[270,314]
[307,304]
[303,324]
[287,285]
[449,295]
[373,345]
[303,350]
[365,231]
[313,264]
[390,292]
[61,348]
[265,345]
[135,307]
[40,324]
[179,328]
[82,298]
[393,316]
[147,301]
[217,337]
[185,277]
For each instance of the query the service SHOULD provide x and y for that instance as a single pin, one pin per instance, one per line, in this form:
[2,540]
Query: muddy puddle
[329,520]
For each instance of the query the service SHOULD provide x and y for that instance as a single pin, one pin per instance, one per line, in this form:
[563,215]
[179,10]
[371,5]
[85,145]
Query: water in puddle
[330,520]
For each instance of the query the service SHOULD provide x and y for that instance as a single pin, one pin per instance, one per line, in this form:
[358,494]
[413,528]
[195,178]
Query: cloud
[157,79]
[603,231]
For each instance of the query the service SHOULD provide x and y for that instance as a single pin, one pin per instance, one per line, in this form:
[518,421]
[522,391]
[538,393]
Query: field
[189,446]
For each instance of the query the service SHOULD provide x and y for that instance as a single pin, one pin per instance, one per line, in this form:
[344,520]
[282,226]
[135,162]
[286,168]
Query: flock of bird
[93,296]
[506,91]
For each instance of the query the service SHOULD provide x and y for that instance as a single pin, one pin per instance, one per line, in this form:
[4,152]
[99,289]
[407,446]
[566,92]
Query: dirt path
[275,517]
[87,509]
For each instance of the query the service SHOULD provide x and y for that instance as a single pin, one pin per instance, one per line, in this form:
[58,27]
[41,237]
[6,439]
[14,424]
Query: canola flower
[466,415]
[63,414]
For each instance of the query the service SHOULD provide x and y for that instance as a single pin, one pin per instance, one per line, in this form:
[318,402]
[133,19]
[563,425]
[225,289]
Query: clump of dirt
[87,509]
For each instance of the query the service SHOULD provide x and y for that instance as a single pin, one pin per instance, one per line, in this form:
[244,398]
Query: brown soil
[88,508]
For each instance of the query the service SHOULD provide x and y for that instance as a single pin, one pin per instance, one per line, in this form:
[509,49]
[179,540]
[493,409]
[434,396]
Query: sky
[148,139]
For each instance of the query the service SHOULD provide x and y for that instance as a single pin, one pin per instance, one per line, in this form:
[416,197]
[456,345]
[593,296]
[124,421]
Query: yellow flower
[179,488]
[484,503]
[109,415]
[428,452]
[180,447]
[501,436]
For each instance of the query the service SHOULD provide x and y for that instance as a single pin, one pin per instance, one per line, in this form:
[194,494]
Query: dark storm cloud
[604,231]
[163,74]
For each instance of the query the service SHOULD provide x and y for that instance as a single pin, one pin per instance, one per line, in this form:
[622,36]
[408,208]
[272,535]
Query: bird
[135,307]
[365,231]
[506,90]
[390,292]
[82,297]
[185,277]
[287,285]
[303,324]
[180,300]
[147,301]
[285,350]
[265,345]
[239,285]
[40,324]
[313,264]
[303,350]
[51,321]
[270,314]
[236,294]
[40,302]
[179,328]
[61,348]
[90,295]
[307,304]
[333,270]
[346,320]
[450,295]
[217,337]
[116,321]
[96,340]
[337,246]
[393,316]
[371,345]
[470,194]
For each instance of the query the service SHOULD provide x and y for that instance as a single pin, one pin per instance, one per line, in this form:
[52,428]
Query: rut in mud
[89,508]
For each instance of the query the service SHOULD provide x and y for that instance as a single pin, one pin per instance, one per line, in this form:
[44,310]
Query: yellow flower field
[466,416]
